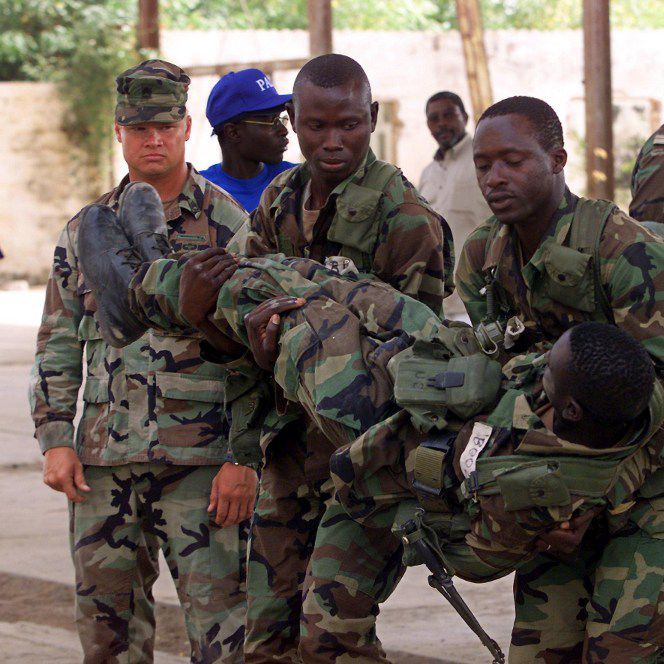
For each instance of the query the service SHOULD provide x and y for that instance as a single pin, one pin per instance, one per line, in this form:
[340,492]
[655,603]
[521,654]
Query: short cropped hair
[446,94]
[613,374]
[332,70]
[543,118]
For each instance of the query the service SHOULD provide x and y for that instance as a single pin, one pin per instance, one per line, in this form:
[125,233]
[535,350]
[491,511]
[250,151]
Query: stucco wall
[42,181]
[410,66]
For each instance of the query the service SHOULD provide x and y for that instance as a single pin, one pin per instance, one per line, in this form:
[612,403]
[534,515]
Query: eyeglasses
[270,121]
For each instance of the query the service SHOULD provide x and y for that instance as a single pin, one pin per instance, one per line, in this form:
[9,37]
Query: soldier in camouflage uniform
[346,207]
[547,261]
[148,468]
[485,528]
[648,180]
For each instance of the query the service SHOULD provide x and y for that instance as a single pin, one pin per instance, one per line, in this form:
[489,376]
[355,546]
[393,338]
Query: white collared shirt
[450,186]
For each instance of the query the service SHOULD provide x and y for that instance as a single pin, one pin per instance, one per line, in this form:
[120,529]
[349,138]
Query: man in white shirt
[449,182]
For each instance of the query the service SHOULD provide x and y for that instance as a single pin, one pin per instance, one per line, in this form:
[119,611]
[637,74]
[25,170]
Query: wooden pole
[320,27]
[599,111]
[477,69]
[148,24]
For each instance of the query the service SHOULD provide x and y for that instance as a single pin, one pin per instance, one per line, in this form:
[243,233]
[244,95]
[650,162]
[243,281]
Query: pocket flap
[88,330]
[189,387]
[357,203]
[95,390]
[533,484]
[566,266]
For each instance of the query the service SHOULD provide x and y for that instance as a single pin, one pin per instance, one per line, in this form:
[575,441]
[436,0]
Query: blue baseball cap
[238,92]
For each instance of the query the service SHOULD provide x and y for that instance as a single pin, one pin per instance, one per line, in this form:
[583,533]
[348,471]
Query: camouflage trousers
[316,576]
[133,511]
[607,606]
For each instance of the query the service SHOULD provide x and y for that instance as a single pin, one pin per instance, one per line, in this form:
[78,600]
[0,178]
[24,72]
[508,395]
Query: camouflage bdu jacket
[333,351]
[486,534]
[375,217]
[156,399]
[548,302]
[648,180]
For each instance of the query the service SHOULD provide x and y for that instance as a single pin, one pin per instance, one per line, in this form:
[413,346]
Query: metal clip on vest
[442,582]
[490,334]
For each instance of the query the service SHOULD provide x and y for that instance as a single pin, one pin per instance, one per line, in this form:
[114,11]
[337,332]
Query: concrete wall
[42,184]
[42,180]
[410,66]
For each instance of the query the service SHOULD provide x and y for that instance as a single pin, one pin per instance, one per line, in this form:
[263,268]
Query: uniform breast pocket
[188,410]
[570,278]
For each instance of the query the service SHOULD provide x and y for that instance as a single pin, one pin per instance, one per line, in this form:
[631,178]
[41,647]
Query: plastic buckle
[447,379]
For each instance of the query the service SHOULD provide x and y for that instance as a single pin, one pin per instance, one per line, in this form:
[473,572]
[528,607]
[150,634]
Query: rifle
[441,580]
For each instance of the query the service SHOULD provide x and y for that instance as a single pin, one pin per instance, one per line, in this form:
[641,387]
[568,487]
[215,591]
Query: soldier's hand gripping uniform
[595,263]
[152,434]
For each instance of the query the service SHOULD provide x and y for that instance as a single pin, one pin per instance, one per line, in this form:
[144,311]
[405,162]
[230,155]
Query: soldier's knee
[337,622]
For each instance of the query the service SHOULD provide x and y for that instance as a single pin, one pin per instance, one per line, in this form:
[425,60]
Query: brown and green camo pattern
[333,358]
[648,180]
[349,404]
[155,400]
[546,628]
[334,351]
[152,91]
[376,471]
[632,274]
[413,250]
[132,512]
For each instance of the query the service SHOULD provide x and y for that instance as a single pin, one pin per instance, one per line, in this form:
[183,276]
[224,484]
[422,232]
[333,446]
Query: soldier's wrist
[58,433]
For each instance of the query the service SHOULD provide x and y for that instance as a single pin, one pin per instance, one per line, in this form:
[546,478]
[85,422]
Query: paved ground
[36,626]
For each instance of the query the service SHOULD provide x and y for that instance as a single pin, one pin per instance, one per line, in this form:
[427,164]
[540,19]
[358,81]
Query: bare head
[333,116]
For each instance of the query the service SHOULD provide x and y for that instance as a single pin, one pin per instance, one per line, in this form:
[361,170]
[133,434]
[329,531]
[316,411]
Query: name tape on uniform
[478,440]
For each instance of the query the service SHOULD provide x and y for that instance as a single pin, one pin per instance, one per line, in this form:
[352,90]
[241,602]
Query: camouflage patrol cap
[153,91]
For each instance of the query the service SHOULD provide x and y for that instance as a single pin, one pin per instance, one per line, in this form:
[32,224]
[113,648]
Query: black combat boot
[141,216]
[108,263]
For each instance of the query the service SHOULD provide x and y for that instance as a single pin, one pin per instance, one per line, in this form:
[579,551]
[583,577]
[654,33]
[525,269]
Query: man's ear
[118,135]
[231,131]
[187,130]
[559,159]
[572,411]
[374,115]
[290,109]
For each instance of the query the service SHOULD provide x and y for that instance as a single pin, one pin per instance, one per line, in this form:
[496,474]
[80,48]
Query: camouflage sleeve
[633,276]
[468,278]
[57,373]
[415,252]
[648,181]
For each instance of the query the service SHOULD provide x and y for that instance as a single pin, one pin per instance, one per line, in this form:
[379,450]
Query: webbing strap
[588,225]
[429,469]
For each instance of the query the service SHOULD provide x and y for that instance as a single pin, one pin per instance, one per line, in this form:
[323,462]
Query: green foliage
[79,44]
[400,14]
